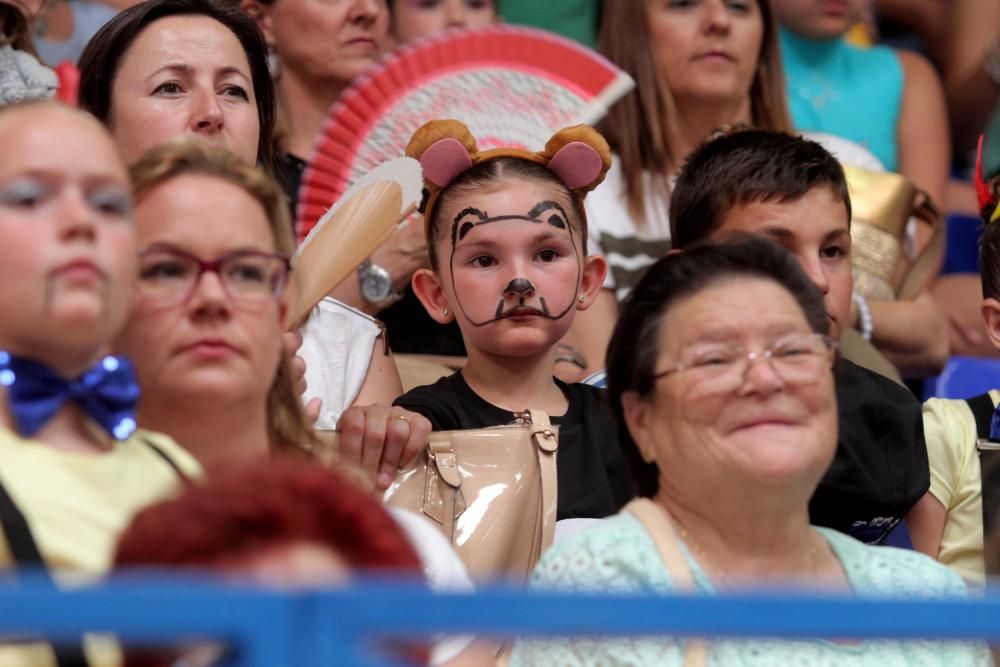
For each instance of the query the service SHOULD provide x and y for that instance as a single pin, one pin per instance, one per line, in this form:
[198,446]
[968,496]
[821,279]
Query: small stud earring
[581,299]
[445,311]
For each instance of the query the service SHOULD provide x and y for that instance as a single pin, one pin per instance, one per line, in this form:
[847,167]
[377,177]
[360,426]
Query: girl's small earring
[581,299]
[445,311]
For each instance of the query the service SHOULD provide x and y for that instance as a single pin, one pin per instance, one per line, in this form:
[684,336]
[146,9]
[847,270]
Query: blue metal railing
[307,628]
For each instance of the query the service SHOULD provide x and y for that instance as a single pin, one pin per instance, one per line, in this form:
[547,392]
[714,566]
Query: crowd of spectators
[675,288]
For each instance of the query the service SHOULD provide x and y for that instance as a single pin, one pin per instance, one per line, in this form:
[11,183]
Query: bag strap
[445,498]
[657,523]
[926,264]
[546,445]
[169,461]
[25,551]
[989,459]
[982,410]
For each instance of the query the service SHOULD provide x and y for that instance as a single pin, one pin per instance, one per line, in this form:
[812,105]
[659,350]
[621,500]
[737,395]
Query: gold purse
[492,492]
[882,204]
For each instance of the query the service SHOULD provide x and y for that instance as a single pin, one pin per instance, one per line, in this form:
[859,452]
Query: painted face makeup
[514,266]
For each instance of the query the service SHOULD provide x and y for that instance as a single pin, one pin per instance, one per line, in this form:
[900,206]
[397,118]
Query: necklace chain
[719,575]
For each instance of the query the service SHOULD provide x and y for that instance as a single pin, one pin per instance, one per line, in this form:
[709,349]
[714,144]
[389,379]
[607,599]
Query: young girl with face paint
[507,239]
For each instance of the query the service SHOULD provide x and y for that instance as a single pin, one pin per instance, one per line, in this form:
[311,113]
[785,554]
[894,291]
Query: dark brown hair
[488,173]
[743,167]
[634,346]
[637,126]
[103,54]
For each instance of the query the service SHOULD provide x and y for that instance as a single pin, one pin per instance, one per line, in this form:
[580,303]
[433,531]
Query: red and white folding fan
[511,85]
[351,230]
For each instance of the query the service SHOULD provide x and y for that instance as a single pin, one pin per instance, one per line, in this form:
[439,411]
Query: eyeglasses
[170,274]
[797,359]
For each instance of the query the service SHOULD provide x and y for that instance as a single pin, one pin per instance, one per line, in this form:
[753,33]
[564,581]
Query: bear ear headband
[579,156]
[989,207]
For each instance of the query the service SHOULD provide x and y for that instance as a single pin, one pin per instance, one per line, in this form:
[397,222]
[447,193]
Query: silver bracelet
[864,315]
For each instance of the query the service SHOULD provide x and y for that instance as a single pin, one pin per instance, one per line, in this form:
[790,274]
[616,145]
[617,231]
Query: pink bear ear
[576,164]
[444,160]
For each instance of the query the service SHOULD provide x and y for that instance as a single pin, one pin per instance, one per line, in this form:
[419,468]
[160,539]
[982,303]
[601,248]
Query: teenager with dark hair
[793,191]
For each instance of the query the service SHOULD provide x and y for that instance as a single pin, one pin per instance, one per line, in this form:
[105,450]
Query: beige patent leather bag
[492,492]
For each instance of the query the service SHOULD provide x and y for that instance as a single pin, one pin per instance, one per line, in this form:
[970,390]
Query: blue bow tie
[107,392]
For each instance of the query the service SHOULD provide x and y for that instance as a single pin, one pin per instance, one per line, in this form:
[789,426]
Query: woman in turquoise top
[719,372]
[889,101]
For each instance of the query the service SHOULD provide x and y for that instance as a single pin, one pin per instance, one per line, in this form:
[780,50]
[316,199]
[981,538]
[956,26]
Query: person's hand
[381,438]
[403,252]
[291,341]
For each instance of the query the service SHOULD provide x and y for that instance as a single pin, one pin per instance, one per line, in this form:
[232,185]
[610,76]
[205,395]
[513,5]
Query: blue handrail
[305,628]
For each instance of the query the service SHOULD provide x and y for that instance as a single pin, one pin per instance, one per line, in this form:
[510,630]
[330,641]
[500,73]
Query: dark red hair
[272,502]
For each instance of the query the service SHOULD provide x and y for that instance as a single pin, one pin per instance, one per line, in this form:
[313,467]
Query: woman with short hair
[720,375]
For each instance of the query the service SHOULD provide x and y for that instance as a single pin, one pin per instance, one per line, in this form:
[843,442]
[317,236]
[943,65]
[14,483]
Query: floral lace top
[619,556]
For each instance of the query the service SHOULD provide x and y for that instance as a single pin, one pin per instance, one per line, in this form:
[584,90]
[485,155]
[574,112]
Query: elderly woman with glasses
[720,373]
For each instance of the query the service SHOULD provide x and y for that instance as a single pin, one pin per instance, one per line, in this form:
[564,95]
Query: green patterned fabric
[576,19]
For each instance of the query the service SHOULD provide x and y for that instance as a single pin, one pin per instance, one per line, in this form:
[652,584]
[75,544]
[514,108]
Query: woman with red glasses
[206,319]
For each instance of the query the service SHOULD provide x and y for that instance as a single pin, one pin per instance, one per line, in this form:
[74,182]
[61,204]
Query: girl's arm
[922,130]
[382,384]
[913,335]
[926,525]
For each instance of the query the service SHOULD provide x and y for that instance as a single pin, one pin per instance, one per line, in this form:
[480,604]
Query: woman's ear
[595,268]
[427,287]
[991,313]
[637,413]
[260,12]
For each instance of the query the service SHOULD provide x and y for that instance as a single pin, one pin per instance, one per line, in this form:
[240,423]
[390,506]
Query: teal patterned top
[619,556]
[852,92]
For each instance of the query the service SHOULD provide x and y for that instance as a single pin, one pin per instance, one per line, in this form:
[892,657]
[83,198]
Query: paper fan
[512,86]
[360,220]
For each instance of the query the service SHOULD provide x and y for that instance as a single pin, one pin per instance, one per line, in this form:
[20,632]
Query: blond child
[74,468]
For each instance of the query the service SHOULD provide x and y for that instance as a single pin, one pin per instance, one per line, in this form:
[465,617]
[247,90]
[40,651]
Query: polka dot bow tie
[107,392]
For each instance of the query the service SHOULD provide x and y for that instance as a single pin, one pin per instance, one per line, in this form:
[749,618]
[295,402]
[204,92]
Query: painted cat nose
[519,287]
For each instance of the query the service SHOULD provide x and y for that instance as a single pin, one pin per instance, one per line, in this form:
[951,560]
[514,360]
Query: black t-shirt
[593,475]
[880,469]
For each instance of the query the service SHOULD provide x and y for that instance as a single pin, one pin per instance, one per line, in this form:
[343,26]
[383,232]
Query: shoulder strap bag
[492,492]
[657,523]
[882,204]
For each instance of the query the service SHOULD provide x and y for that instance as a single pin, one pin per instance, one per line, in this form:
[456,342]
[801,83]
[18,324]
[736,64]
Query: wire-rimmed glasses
[797,359]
